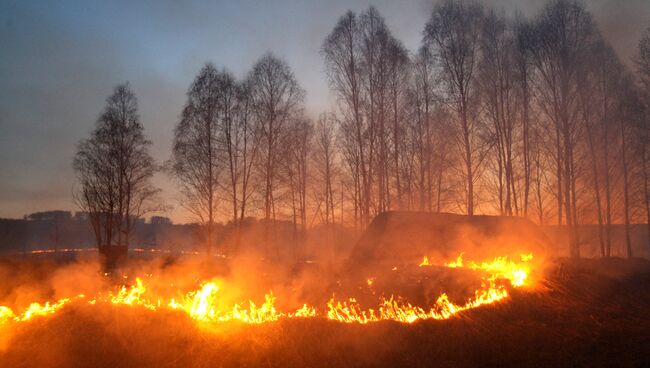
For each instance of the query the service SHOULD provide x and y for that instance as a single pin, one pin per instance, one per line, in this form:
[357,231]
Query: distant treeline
[590,243]
[492,114]
[60,230]
[64,231]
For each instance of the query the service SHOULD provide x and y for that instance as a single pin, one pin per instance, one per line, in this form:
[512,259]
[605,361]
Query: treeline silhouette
[65,234]
[492,114]
[67,231]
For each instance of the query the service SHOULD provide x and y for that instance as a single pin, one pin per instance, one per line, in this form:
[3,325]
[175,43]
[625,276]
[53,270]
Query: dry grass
[588,313]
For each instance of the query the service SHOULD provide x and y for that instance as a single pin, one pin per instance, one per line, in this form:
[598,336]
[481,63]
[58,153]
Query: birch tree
[197,157]
[276,99]
[115,170]
[453,34]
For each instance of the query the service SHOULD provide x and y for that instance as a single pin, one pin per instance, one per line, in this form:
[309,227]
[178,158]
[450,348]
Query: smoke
[108,334]
[623,23]
[389,257]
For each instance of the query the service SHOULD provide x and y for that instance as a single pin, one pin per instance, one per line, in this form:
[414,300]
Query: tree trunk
[626,195]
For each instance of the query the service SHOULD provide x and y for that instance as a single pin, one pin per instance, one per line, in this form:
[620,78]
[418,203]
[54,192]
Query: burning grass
[575,314]
[206,304]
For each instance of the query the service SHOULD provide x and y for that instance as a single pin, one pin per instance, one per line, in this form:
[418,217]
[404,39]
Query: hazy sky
[59,60]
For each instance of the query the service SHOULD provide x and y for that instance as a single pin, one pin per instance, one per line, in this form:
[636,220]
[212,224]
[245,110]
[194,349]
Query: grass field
[591,313]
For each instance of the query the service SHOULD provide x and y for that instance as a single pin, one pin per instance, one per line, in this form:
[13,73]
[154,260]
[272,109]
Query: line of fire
[470,189]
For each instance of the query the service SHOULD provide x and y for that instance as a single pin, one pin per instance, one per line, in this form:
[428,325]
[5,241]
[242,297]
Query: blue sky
[59,60]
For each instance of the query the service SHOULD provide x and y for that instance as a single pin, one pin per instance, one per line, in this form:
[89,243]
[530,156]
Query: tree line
[492,114]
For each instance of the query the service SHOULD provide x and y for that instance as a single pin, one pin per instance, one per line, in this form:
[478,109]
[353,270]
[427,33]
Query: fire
[208,305]
[37,309]
[203,305]
[133,296]
[392,309]
[498,268]
[6,314]
[305,311]
[425,262]
[34,310]
[457,263]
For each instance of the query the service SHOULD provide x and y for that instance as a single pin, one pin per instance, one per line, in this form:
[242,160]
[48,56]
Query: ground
[583,313]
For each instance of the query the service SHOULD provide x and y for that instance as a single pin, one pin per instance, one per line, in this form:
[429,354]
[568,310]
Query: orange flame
[206,305]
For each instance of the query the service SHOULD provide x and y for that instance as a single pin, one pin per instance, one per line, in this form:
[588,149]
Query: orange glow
[457,263]
[425,262]
[208,305]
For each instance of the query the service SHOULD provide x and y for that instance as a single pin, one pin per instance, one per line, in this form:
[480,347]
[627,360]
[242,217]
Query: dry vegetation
[583,313]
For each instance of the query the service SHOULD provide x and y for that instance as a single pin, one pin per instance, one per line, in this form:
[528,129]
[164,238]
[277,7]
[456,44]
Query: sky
[59,60]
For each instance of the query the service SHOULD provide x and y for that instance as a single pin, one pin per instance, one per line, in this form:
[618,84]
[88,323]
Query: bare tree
[325,158]
[538,174]
[276,99]
[229,134]
[643,68]
[297,143]
[239,137]
[375,50]
[197,156]
[422,106]
[350,153]
[632,141]
[563,33]
[248,138]
[524,76]
[501,100]
[398,83]
[344,71]
[453,34]
[362,59]
[114,168]
[598,81]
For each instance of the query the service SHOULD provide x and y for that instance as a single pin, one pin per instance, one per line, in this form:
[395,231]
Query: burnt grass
[590,313]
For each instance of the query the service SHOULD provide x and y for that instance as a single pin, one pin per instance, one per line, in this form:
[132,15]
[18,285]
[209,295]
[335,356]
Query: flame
[305,311]
[425,262]
[498,268]
[133,296]
[34,310]
[207,304]
[203,305]
[37,309]
[457,263]
[393,310]
[6,314]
